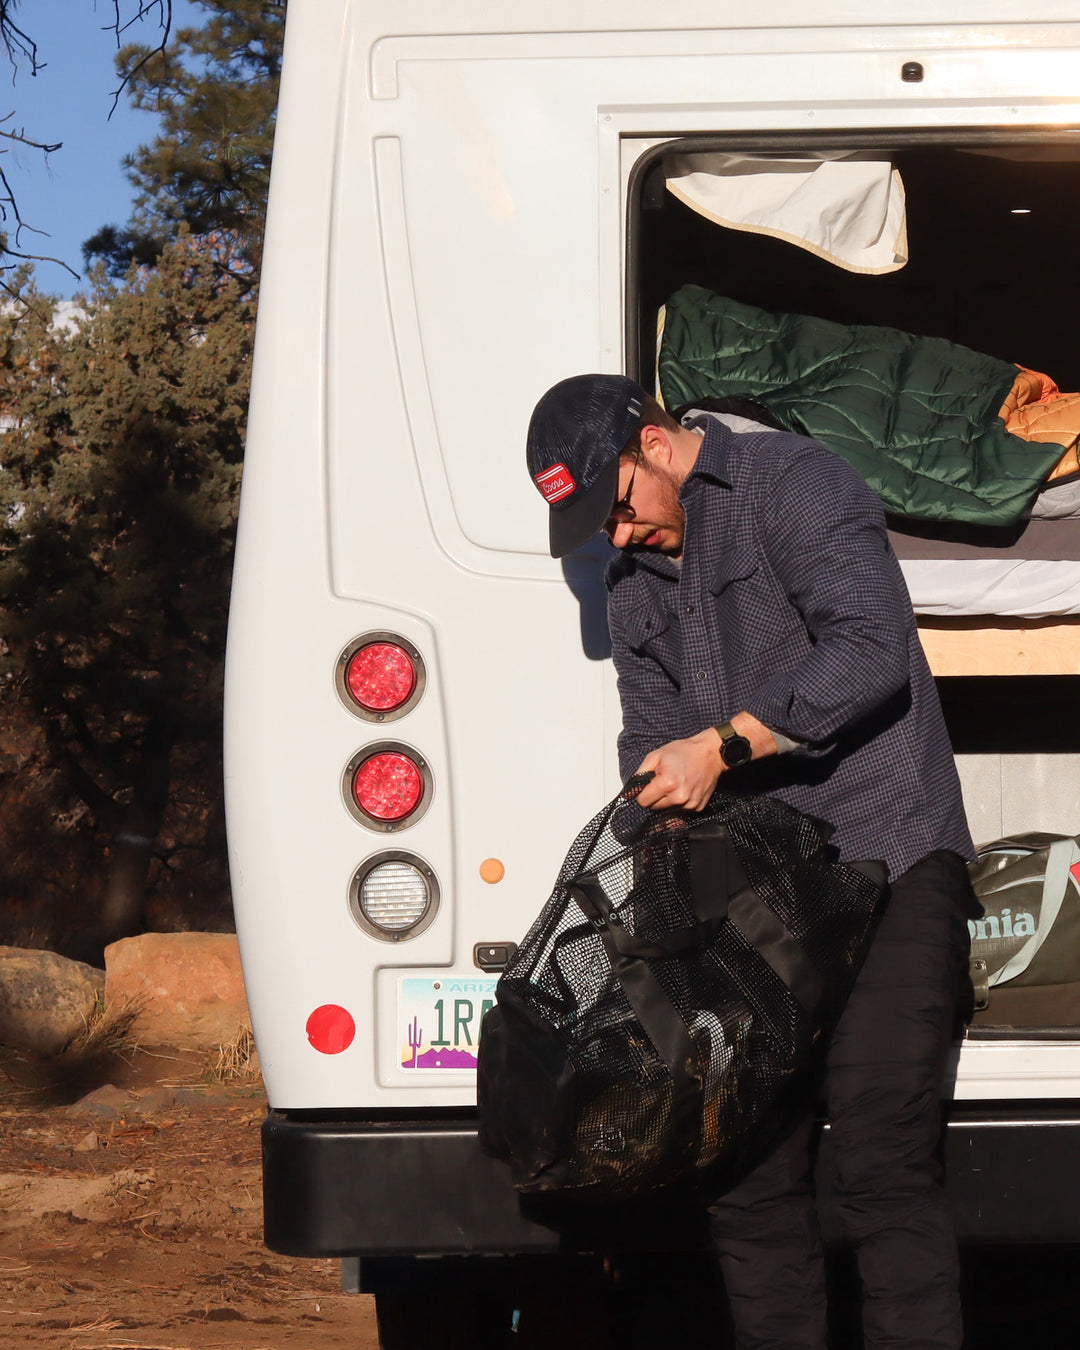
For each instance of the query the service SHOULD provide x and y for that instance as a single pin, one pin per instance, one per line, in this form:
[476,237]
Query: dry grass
[108,1050]
[100,1053]
[109,1033]
[237,1060]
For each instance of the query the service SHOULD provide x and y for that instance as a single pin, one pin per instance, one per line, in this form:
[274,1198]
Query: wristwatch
[735,750]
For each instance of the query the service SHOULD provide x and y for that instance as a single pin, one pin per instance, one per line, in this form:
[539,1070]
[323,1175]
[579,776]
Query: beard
[670,517]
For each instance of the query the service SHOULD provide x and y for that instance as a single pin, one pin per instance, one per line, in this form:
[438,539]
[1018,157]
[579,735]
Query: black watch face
[736,750]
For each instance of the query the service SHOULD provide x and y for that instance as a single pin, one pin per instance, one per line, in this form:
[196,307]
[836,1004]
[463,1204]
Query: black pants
[883,1081]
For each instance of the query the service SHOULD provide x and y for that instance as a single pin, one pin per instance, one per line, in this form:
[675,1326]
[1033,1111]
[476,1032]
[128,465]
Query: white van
[468,204]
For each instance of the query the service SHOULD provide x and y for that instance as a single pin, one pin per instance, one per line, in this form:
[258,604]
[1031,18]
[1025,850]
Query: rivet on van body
[492,870]
[911,72]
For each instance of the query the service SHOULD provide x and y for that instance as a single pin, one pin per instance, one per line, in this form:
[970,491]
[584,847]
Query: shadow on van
[584,573]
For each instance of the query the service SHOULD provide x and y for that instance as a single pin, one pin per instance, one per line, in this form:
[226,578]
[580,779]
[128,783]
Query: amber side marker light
[492,871]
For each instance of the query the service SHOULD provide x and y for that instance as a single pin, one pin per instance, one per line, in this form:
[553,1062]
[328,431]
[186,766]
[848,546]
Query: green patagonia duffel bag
[1025,949]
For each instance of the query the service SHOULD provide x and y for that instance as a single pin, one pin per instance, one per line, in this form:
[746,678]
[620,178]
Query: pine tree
[215,89]
[121,434]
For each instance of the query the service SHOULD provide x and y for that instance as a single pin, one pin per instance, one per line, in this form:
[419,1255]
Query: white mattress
[1024,574]
[1031,588]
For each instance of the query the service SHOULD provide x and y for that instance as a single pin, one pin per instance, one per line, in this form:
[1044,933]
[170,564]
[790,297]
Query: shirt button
[703,674]
[689,609]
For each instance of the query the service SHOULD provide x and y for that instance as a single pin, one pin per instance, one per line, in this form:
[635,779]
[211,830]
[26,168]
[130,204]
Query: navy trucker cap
[575,435]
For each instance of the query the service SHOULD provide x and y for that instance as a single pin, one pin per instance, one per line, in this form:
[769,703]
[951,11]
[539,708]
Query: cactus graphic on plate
[416,1040]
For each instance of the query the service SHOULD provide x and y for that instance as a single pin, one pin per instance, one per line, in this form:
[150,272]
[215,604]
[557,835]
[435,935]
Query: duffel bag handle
[1060,856]
[626,794]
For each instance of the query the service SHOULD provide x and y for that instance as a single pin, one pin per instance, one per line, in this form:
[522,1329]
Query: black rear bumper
[339,1188]
[335,1187]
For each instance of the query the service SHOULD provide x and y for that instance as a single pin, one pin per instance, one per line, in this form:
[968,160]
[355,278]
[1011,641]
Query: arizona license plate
[439,1021]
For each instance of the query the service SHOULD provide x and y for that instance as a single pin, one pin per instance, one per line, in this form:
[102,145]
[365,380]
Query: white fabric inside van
[846,209]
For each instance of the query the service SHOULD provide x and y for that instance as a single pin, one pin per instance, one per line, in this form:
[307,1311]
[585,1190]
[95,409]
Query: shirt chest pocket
[736,567]
[751,608]
[655,633]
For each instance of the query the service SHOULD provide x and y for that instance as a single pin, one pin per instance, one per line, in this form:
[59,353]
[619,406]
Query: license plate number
[439,1021]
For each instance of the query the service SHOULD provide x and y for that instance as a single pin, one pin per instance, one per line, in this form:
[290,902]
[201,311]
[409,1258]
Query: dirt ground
[131,1219]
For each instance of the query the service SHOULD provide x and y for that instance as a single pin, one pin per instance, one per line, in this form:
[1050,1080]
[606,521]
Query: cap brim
[574,525]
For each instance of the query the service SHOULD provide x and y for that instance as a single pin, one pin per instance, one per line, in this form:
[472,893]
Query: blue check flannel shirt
[789,604]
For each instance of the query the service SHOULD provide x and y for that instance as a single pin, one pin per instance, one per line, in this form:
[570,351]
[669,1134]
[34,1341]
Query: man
[762,635]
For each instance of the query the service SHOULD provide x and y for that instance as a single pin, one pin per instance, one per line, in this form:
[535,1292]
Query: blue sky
[82,186]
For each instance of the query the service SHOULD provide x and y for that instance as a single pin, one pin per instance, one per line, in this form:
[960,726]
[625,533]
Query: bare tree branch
[22,50]
[18,45]
[23,139]
[120,27]
[10,207]
[163,7]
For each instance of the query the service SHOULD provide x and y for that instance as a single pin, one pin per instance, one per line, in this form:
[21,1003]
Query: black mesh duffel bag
[670,990]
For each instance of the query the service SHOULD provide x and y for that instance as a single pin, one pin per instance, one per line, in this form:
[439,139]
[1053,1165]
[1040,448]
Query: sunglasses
[622,510]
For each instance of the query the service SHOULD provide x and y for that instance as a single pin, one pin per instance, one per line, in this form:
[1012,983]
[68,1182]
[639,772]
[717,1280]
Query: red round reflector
[331,1029]
[388,786]
[381,677]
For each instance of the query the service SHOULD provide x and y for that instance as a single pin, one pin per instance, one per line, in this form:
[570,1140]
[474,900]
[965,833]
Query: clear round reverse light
[394,896]
[380,676]
[387,786]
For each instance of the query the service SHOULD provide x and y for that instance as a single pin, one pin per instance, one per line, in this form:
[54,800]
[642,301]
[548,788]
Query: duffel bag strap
[593,902]
[1060,856]
[721,888]
[659,1018]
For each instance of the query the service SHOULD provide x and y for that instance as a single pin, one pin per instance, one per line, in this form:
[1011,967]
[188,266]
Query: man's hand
[686,772]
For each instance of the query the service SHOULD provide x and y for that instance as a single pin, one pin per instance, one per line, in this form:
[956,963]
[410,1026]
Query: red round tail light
[380,676]
[388,786]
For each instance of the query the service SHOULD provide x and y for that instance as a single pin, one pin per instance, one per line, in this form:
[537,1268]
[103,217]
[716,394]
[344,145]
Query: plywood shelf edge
[999,646]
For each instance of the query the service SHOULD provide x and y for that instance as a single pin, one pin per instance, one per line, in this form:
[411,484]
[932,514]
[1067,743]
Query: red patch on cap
[555,483]
[331,1029]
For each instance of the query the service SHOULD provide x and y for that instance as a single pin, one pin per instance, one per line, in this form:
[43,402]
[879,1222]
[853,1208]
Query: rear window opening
[992,265]
[993,262]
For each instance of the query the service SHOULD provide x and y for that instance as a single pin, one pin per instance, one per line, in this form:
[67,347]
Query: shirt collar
[714,457]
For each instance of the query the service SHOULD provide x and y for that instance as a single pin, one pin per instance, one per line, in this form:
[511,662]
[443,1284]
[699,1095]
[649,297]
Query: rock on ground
[110,1102]
[45,1000]
[187,987]
[23,1198]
